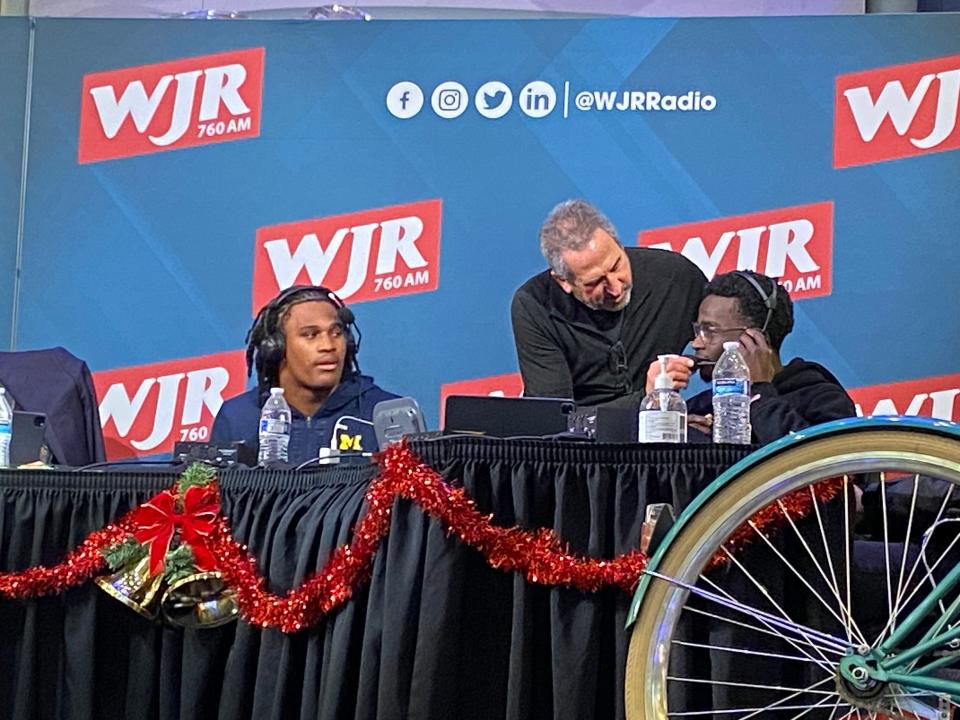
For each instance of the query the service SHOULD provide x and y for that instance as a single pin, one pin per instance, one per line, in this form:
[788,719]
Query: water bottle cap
[276,391]
[731,346]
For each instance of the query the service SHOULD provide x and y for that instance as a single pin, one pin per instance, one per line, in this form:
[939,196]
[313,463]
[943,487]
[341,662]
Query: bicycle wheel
[814,553]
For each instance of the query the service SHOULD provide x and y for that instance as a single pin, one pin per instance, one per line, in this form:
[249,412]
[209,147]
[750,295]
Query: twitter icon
[493,100]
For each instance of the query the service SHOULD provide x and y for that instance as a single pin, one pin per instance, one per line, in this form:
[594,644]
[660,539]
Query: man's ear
[562,282]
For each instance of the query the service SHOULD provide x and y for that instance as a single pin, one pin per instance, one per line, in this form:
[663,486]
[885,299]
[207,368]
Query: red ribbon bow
[157,519]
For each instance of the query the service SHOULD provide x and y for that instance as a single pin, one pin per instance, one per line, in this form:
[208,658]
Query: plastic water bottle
[663,413]
[274,428]
[6,427]
[731,397]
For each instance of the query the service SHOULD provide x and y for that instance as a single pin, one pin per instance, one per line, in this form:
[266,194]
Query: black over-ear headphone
[266,343]
[769,300]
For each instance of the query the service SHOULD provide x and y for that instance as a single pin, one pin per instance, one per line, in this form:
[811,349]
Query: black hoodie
[802,394]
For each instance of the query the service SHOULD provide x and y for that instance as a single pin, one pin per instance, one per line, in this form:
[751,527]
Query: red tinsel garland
[537,554]
[81,565]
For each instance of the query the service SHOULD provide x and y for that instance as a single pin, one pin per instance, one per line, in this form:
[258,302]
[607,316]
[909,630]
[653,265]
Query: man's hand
[759,357]
[678,368]
[703,423]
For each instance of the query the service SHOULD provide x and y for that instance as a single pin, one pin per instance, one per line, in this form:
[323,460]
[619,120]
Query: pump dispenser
[663,413]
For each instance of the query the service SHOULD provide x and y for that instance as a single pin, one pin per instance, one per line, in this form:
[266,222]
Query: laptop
[505,417]
[27,444]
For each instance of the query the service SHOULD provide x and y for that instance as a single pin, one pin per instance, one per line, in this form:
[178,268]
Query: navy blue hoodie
[343,422]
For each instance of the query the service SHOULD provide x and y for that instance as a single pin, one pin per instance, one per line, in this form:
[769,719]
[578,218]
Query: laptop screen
[506,417]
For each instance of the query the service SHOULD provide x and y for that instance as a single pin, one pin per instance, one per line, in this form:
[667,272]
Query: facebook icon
[404,100]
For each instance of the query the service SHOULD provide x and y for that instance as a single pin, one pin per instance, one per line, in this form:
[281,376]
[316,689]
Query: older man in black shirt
[588,327]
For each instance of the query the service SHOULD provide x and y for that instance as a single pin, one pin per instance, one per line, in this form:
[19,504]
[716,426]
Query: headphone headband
[769,301]
[294,290]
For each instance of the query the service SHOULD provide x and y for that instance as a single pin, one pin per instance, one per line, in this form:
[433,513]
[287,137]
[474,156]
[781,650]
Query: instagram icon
[449,99]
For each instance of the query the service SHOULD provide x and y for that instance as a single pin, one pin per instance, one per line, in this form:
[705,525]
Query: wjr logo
[145,409]
[149,108]
[896,112]
[794,244]
[366,255]
[931,397]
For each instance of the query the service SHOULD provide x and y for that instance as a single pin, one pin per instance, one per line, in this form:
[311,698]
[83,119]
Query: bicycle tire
[852,451]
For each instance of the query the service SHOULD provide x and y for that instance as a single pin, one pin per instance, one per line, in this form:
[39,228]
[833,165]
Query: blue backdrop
[147,258]
[14,51]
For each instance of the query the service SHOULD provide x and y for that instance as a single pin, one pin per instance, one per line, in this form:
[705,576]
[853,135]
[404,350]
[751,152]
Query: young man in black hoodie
[757,311]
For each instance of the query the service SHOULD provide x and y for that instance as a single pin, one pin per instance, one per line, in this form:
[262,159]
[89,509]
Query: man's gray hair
[569,226]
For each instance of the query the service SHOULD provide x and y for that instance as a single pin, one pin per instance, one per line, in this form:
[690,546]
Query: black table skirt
[435,634]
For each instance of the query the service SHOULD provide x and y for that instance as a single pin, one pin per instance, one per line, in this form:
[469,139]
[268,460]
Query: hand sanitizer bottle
[663,413]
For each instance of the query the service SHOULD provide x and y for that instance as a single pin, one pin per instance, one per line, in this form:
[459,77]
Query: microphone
[699,362]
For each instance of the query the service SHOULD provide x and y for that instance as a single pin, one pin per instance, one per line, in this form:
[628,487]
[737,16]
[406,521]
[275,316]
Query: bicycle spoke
[792,641]
[903,558]
[922,580]
[756,686]
[754,711]
[849,624]
[886,541]
[758,653]
[814,707]
[756,629]
[796,572]
[734,604]
[896,702]
[836,705]
[916,563]
[846,547]
[777,706]
[832,586]
[766,593]
[923,556]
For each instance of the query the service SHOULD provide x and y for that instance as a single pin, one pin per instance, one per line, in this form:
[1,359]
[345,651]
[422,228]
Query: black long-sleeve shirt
[565,349]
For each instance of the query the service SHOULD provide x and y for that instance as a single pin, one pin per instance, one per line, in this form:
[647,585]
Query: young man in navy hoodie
[758,312]
[303,341]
